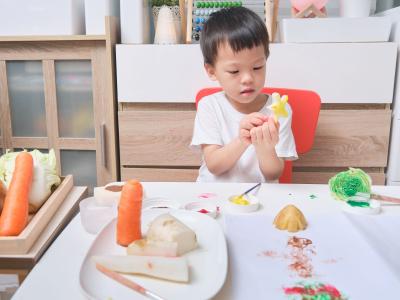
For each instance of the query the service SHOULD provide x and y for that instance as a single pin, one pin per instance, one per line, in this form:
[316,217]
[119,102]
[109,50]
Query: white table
[56,276]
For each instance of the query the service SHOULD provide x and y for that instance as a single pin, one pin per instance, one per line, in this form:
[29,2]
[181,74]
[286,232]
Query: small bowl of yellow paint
[243,204]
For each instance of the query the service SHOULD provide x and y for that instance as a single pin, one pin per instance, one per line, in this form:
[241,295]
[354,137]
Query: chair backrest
[305,107]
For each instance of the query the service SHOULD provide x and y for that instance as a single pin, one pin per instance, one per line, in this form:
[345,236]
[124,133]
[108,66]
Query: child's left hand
[265,135]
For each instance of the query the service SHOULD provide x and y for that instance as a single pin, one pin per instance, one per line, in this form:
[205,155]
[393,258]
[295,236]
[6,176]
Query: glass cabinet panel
[80,163]
[26,94]
[74,99]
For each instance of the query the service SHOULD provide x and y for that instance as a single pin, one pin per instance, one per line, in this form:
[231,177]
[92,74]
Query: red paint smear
[270,253]
[330,289]
[297,242]
[203,211]
[207,195]
[295,290]
[301,262]
[312,291]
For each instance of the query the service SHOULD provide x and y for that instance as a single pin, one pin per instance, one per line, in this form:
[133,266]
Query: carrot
[14,216]
[3,192]
[129,213]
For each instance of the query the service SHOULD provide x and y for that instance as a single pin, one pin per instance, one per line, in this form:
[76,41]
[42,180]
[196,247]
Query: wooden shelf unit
[99,51]
[157,87]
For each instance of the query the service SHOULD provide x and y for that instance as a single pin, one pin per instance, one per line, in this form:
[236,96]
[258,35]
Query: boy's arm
[264,139]
[220,159]
[270,164]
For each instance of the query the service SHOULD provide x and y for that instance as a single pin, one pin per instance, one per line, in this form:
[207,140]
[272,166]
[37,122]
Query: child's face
[241,74]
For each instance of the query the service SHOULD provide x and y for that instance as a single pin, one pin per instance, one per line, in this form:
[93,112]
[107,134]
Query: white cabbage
[44,175]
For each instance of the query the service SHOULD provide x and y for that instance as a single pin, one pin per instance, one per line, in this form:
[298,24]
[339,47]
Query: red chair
[305,106]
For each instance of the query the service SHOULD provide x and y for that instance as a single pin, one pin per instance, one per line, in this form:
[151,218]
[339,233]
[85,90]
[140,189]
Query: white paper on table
[383,234]
[344,256]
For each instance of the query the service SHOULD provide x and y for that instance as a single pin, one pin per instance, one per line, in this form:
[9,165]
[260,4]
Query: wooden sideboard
[58,92]
[157,87]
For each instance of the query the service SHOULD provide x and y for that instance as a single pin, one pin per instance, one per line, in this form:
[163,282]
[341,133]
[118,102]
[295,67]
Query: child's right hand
[247,123]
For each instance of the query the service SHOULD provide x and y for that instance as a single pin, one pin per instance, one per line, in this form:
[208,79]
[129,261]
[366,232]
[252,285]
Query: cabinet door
[22,101]
[74,99]
[4,121]
[76,120]
[81,163]
[54,109]
[60,95]
[26,98]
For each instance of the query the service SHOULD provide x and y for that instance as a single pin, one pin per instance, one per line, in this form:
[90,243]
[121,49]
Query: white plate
[208,263]
[158,202]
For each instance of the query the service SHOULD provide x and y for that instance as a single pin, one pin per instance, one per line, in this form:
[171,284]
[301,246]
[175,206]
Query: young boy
[238,136]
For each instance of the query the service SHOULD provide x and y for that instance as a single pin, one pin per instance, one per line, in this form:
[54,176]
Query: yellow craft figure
[278,106]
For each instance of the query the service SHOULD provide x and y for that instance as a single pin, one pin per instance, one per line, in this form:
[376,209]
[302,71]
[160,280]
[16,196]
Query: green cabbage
[351,183]
[44,175]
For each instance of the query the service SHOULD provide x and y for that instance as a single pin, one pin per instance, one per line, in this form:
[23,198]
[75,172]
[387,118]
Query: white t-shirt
[217,123]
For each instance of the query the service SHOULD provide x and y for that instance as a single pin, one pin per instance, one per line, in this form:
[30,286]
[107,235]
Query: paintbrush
[385,198]
[127,282]
[249,190]
[364,197]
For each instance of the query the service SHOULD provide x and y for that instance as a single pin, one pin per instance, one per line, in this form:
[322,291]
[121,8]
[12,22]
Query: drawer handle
[103,144]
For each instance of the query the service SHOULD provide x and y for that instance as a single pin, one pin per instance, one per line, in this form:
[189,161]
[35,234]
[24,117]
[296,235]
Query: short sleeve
[286,147]
[206,128]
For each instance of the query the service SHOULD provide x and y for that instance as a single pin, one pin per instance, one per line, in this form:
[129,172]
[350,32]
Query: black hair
[240,27]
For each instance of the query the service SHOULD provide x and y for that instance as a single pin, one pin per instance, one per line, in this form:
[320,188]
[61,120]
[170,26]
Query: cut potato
[169,229]
[169,268]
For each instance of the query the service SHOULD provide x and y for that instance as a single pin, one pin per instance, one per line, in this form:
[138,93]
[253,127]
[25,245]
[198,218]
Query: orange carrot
[3,192]
[129,213]
[14,216]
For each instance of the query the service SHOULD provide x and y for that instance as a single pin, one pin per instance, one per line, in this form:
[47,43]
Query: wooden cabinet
[154,142]
[58,92]
[157,86]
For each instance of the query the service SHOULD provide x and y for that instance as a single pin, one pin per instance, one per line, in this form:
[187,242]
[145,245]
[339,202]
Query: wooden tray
[22,243]
[21,264]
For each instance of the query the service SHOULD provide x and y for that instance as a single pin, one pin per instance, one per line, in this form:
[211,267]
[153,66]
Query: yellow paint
[279,106]
[240,200]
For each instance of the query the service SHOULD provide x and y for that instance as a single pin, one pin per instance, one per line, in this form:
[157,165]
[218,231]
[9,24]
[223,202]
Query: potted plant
[173,5]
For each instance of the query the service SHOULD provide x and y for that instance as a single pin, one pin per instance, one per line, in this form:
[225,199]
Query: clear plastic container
[95,217]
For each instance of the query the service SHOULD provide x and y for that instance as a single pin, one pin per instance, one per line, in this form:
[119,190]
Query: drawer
[154,142]
[350,138]
[157,138]
[159,174]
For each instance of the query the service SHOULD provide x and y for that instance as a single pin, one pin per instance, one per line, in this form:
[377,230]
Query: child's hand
[247,123]
[266,135]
